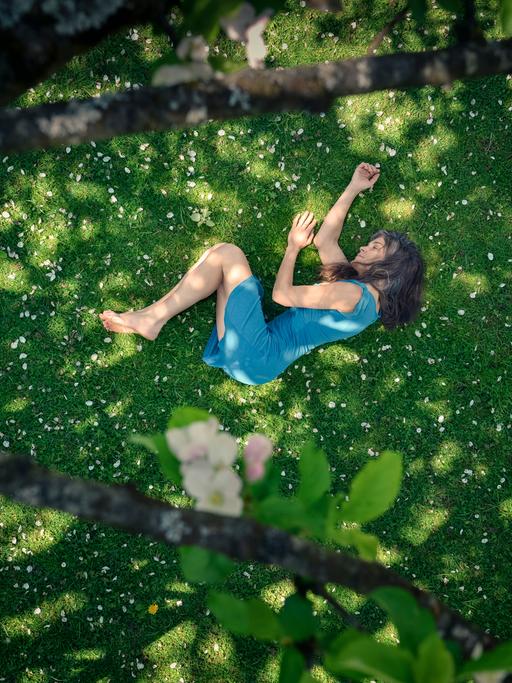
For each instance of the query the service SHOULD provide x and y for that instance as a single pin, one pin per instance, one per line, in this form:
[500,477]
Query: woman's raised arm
[326,239]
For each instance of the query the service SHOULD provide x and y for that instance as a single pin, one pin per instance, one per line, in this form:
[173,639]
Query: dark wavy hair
[398,277]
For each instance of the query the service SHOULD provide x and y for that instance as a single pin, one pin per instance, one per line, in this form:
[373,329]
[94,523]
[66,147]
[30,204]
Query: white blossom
[216,490]
[193,441]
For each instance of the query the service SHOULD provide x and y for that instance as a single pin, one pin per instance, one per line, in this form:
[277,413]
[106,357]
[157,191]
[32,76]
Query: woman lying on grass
[383,282]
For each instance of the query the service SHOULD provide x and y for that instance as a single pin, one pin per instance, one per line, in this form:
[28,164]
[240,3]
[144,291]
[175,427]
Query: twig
[347,617]
[387,28]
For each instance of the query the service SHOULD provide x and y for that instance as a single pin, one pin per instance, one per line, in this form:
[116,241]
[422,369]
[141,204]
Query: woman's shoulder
[346,295]
[357,291]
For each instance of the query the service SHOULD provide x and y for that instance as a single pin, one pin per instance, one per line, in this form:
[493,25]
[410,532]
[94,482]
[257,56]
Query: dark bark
[245,93]
[240,538]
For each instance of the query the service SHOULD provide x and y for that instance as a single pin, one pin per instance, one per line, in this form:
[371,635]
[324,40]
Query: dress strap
[363,284]
[365,289]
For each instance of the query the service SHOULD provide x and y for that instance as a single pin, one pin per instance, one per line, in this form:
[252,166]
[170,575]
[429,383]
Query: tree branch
[466,28]
[37,38]
[347,617]
[387,28]
[240,538]
[245,93]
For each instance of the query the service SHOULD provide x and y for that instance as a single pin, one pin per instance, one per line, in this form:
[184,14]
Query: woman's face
[372,252]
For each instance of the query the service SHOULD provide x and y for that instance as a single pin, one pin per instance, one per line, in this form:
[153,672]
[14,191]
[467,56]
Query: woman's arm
[283,285]
[326,239]
[336,295]
[300,235]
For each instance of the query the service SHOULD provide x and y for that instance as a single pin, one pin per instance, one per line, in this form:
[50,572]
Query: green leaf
[413,623]
[264,622]
[227,66]
[365,544]
[231,612]
[145,440]
[362,656]
[245,617]
[315,476]
[315,523]
[185,415]
[334,643]
[506,17]
[499,659]
[203,16]
[418,10]
[434,664]
[292,666]
[307,678]
[286,513]
[373,489]
[267,486]
[204,566]
[297,618]
[157,444]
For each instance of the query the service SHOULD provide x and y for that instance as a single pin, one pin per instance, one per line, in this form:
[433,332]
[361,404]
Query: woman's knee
[228,252]
[227,247]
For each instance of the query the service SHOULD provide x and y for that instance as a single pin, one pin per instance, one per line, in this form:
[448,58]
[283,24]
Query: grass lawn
[109,225]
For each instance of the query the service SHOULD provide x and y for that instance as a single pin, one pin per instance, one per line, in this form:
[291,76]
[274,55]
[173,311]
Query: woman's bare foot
[131,322]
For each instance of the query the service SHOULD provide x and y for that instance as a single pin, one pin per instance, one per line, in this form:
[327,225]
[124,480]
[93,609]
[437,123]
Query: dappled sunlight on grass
[182,587]
[388,556]
[86,655]
[269,671]
[398,208]
[35,620]
[387,634]
[426,522]
[218,646]
[276,593]
[447,455]
[16,405]
[416,466]
[429,154]
[506,509]
[123,346]
[393,384]
[474,282]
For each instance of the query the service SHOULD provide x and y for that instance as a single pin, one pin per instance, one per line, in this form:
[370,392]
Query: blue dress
[254,351]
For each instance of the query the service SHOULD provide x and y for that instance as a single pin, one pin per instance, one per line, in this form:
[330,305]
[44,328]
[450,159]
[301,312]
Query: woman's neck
[361,269]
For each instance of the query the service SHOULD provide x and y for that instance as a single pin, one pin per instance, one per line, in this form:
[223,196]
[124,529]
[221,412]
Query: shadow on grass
[85,618]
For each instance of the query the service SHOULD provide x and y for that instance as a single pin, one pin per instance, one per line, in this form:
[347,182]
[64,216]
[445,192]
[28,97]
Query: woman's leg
[219,269]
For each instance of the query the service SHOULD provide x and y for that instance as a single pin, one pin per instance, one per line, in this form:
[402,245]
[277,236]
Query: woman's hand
[301,233]
[365,176]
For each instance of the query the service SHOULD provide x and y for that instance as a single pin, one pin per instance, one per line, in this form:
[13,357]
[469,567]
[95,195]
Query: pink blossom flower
[256,453]
[254,471]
